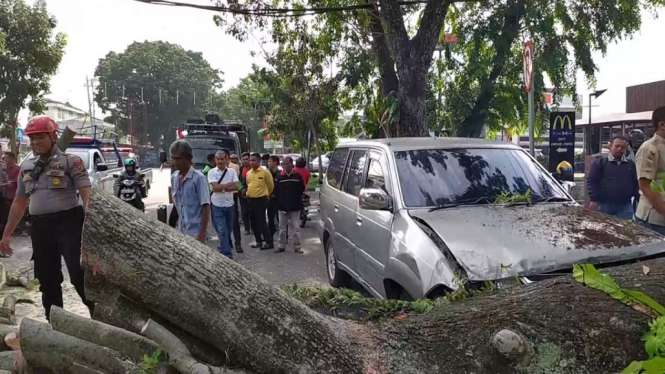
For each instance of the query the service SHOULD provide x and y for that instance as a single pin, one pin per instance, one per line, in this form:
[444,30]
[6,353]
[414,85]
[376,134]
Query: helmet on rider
[130,165]
[635,138]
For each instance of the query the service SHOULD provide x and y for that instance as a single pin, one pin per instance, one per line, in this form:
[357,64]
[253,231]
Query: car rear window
[336,167]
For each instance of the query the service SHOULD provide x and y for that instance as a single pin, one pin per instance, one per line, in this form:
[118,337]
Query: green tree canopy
[173,83]
[481,74]
[29,55]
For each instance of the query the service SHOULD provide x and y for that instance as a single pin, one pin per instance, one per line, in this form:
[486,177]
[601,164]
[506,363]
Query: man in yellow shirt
[259,187]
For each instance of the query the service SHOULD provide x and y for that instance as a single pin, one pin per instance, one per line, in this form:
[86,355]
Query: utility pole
[88,85]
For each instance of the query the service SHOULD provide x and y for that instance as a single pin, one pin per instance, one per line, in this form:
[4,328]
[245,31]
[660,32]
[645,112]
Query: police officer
[48,182]
[650,162]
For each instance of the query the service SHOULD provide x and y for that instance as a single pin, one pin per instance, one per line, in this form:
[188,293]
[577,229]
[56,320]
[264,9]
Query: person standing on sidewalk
[223,182]
[212,163]
[13,172]
[273,167]
[650,161]
[191,192]
[289,188]
[301,168]
[612,181]
[246,217]
[233,164]
[49,182]
[259,187]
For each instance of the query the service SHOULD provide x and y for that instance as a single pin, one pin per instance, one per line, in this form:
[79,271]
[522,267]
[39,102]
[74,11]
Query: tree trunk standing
[212,298]
[473,124]
[13,123]
[385,62]
[413,58]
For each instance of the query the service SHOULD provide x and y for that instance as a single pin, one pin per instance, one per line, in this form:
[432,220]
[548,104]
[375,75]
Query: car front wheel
[336,276]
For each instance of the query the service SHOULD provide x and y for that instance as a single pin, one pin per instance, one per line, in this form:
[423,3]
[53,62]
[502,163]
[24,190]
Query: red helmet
[40,124]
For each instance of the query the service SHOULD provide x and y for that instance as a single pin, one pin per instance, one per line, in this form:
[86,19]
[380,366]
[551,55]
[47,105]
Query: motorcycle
[131,191]
[304,212]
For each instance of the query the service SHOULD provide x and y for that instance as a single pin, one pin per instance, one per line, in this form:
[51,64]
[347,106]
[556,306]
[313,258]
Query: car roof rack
[212,124]
[92,137]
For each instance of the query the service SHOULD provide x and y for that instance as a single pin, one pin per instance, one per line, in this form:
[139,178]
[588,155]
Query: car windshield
[436,177]
[202,147]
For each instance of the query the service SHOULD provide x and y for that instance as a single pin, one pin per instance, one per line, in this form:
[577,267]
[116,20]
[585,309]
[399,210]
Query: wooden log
[46,348]
[131,345]
[215,299]
[8,309]
[179,356]
[131,317]
[7,334]
[22,281]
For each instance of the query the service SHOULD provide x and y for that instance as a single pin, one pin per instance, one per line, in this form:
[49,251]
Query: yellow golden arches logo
[561,121]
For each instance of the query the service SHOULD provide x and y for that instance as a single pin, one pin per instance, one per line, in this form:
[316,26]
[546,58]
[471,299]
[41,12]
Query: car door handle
[359,220]
[336,208]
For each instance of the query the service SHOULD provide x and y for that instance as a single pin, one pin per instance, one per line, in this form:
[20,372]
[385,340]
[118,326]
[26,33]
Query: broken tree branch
[46,348]
[7,360]
[8,309]
[131,345]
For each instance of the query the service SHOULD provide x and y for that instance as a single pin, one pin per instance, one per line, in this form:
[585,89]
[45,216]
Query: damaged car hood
[497,242]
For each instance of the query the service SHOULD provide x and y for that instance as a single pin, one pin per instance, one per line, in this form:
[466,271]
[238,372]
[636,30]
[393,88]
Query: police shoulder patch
[78,164]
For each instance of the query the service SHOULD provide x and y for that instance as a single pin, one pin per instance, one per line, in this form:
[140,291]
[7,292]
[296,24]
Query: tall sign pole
[527,74]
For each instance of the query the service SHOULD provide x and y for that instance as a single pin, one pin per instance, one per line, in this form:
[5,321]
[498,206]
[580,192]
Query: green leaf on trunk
[588,275]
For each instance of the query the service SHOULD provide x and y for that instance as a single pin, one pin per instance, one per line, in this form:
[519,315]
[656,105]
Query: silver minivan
[419,217]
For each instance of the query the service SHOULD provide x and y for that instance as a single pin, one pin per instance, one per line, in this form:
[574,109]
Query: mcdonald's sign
[562,140]
[561,121]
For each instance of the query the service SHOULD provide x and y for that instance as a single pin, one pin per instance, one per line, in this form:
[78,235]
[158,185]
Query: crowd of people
[259,192]
[629,182]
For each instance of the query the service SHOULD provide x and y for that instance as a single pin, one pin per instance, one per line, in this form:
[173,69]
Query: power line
[276,12]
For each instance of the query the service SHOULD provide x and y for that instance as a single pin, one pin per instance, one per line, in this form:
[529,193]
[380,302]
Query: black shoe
[279,250]
[267,246]
[239,248]
[256,245]
[299,251]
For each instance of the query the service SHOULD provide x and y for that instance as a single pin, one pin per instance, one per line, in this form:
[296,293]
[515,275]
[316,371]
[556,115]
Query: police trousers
[54,236]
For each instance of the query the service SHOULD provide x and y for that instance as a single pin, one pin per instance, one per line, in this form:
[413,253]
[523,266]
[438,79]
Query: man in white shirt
[223,181]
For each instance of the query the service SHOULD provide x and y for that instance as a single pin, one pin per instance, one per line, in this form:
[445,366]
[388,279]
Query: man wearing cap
[48,182]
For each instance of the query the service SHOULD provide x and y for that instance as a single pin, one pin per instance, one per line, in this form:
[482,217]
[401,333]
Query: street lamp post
[588,142]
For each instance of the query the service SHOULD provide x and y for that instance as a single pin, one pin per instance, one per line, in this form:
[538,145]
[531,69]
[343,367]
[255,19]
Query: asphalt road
[287,267]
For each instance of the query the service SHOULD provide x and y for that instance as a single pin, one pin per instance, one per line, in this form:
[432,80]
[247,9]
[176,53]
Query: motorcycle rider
[130,172]
[564,171]
[635,139]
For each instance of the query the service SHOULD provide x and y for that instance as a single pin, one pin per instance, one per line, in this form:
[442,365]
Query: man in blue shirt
[191,193]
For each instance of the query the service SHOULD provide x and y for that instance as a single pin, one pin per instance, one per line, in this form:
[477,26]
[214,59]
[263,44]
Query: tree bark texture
[568,327]
[131,345]
[213,298]
[46,348]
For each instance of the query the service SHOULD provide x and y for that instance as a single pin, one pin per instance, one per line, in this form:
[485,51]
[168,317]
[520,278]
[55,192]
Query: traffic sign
[527,67]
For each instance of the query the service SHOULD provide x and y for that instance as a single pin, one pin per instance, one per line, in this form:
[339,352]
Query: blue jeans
[624,211]
[222,219]
[656,228]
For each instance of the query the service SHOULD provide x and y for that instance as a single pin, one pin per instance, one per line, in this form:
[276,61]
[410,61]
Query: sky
[95,27]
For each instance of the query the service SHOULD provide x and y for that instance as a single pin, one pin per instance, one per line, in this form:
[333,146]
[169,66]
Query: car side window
[336,167]
[375,176]
[355,179]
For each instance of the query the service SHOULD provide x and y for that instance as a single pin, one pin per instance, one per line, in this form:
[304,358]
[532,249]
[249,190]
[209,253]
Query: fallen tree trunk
[560,323]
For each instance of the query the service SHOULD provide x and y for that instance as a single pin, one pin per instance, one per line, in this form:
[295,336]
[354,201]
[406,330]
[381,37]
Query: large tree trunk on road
[567,326]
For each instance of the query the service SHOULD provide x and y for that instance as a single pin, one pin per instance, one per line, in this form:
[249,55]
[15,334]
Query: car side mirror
[102,167]
[375,199]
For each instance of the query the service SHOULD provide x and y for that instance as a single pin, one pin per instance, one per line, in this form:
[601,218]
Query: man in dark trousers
[49,182]
[612,182]
[244,210]
[259,187]
[273,167]
[289,188]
